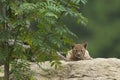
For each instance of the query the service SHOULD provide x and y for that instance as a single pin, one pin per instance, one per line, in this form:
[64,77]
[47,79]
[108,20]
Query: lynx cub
[78,52]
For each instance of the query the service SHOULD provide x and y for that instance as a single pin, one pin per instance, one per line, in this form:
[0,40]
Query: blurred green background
[103,29]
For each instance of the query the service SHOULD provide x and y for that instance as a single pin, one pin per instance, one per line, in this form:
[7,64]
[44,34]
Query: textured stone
[96,69]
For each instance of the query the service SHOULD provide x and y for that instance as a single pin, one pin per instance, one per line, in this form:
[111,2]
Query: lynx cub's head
[80,51]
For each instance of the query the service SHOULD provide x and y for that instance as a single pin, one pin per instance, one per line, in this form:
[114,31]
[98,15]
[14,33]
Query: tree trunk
[7,64]
[3,12]
[6,70]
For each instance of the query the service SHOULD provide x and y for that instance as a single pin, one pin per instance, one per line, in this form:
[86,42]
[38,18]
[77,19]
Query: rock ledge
[96,69]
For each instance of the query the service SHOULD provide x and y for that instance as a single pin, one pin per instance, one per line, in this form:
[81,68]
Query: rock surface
[96,69]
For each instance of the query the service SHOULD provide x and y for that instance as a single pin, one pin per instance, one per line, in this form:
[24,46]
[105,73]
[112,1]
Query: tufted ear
[73,45]
[85,44]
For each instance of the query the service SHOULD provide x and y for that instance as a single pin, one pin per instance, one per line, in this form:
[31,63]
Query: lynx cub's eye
[81,50]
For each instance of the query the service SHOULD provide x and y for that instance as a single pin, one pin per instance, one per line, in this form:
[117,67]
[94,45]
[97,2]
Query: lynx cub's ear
[73,45]
[85,44]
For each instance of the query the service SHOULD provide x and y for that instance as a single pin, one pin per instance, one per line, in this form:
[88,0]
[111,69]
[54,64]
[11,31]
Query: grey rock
[95,69]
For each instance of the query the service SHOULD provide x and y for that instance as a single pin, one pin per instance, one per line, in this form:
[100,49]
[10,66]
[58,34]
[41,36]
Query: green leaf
[84,1]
